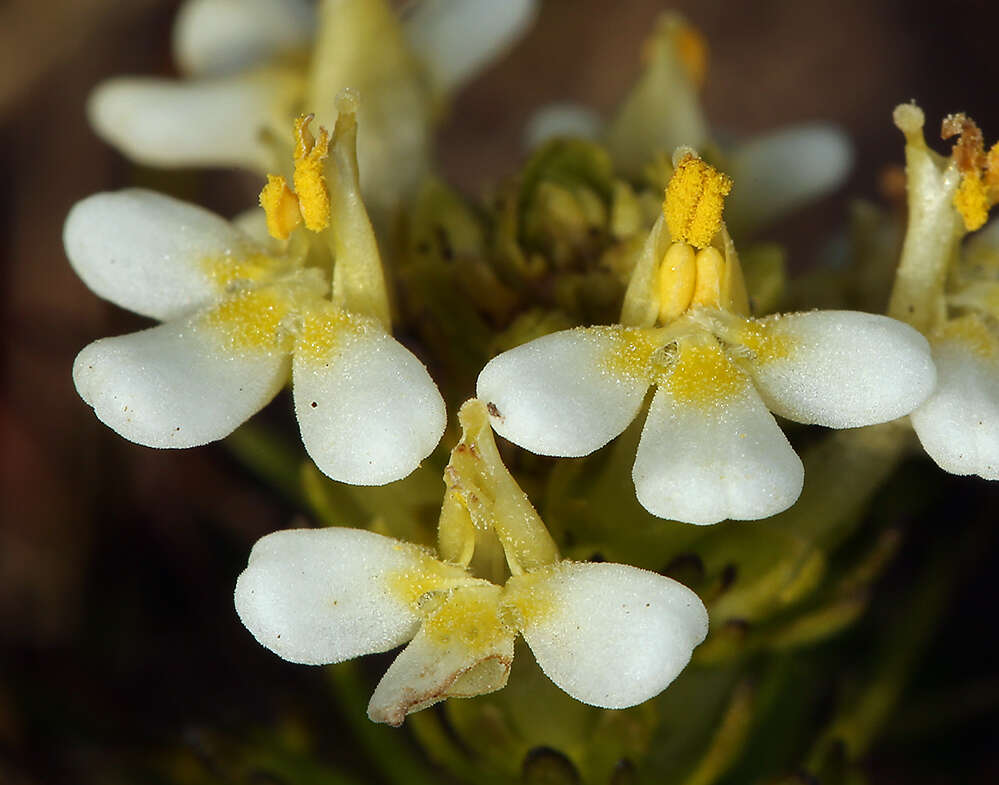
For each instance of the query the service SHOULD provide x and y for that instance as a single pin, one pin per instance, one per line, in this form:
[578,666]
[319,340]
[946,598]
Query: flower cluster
[298,290]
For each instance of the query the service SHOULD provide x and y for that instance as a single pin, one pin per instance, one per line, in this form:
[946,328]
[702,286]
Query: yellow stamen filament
[281,207]
[695,198]
[310,180]
[979,188]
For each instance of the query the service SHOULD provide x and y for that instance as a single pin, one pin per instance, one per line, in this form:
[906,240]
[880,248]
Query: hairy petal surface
[317,596]
[705,460]
[150,253]
[842,369]
[610,635]
[959,424]
[180,384]
[212,37]
[367,408]
[568,393]
[462,649]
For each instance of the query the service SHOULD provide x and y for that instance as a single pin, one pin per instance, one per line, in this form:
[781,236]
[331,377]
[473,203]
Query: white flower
[710,449]
[951,293]
[249,73]
[610,635]
[238,319]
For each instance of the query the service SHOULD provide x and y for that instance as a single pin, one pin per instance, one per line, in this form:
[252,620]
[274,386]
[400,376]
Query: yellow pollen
[324,327]
[310,201]
[703,375]
[763,339]
[695,198]
[310,181]
[281,207]
[979,188]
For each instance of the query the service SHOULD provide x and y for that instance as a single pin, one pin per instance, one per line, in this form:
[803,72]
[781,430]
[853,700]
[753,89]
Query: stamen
[281,207]
[310,180]
[695,198]
[979,188]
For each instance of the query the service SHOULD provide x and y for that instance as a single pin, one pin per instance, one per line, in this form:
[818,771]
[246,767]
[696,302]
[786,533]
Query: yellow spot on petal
[415,586]
[225,271]
[765,340]
[254,320]
[323,328]
[310,180]
[971,331]
[695,198]
[528,598]
[703,375]
[281,207]
[630,354]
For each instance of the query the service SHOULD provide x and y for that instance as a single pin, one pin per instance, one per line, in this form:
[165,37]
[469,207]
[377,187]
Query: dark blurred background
[117,637]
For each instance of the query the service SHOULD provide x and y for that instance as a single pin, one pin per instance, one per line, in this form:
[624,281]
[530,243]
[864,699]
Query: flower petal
[715,454]
[462,649]
[456,39]
[368,410]
[177,385]
[783,170]
[610,635]
[842,369]
[151,253]
[568,393]
[318,596]
[216,122]
[222,36]
[959,424]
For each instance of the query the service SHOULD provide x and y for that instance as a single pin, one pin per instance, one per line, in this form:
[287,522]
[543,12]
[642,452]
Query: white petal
[610,635]
[176,385]
[368,410]
[842,369]
[461,650]
[959,424]
[319,596]
[150,253]
[558,120]
[785,169]
[221,36]
[457,38]
[215,122]
[703,462]
[566,394]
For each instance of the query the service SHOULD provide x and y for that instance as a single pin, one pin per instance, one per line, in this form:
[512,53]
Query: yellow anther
[979,188]
[310,180]
[710,276]
[695,198]
[677,274]
[281,207]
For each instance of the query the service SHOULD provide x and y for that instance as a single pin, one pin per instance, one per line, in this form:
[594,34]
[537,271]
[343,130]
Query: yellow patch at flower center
[703,375]
[764,341]
[254,320]
[323,329]
[227,270]
[469,618]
